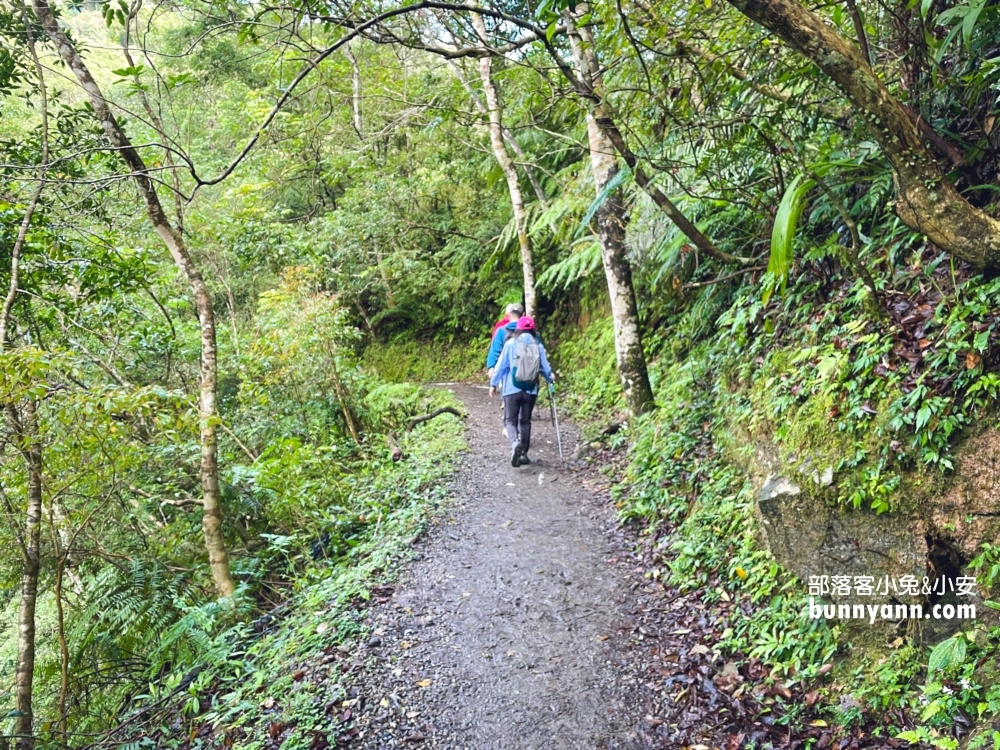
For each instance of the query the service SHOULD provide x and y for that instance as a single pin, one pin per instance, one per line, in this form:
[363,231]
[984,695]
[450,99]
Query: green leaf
[129,72]
[948,653]
[970,21]
[923,416]
[786,222]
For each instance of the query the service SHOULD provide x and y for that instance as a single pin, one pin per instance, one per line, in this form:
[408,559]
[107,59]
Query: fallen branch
[425,417]
[614,427]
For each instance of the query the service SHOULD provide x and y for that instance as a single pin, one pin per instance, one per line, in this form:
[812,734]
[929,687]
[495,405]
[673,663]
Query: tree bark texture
[509,170]
[611,221]
[355,93]
[207,407]
[31,449]
[925,200]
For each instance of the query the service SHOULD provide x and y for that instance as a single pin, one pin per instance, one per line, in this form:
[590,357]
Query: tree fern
[584,259]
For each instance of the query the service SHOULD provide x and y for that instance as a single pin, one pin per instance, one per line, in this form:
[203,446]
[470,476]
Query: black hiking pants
[517,410]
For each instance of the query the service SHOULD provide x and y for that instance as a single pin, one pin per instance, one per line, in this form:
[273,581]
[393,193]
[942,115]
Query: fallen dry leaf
[424,683]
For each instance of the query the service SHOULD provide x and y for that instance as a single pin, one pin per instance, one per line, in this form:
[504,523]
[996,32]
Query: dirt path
[506,630]
[529,620]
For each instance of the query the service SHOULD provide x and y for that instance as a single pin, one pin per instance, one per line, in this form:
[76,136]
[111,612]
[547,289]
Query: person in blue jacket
[519,403]
[501,333]
[500,337]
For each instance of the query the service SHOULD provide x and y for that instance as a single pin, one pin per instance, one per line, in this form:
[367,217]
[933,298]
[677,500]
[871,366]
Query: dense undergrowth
[812,380]
[318,514]
[432,360]
[242,685]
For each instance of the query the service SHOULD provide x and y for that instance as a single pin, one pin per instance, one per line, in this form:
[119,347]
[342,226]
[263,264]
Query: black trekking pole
[555,419]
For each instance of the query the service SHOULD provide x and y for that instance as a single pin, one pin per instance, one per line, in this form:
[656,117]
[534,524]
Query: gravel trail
[506,630]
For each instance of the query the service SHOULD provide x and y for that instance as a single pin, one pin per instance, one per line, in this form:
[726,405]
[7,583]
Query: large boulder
[965,511]
[810,537]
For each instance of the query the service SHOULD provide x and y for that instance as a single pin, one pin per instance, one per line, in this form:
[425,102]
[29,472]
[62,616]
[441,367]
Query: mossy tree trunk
[611,221]
[207,402]
[925,200]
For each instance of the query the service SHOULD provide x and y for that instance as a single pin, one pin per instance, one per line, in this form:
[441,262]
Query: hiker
[513,312]
[502,331]
[522,360]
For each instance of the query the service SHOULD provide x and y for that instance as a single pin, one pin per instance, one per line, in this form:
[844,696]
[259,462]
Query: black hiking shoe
[516,453]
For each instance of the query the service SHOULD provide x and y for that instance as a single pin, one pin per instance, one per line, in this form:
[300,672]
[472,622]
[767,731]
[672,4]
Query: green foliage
[246,681]
[357,252]
[786,222]
[585,360]
[434,360]
[948,653]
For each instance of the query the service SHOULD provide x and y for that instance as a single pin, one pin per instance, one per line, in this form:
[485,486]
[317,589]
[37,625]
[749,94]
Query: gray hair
[515,307]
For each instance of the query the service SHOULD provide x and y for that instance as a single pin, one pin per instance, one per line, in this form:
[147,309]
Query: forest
[241,242]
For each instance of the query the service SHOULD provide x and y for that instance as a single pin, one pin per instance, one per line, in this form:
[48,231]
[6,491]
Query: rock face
[810,538]
[967,512]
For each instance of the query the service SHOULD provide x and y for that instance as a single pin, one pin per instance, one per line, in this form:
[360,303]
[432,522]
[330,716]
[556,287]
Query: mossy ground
[408,360]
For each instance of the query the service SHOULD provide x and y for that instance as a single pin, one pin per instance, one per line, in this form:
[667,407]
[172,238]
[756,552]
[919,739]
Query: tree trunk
[355,92]
[31,449]
[589,85]
[62,555]
[207,408]
[925,200]
[508,136]
[509,170]
[611,220]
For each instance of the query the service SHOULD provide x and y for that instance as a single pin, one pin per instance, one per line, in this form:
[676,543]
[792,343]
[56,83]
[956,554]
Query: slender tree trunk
[926,200]
[62,561]
[509,170]
[355,92]
[589,85]
[31,448]
[611,221]
[207,407]
[508,136]
[22,232]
